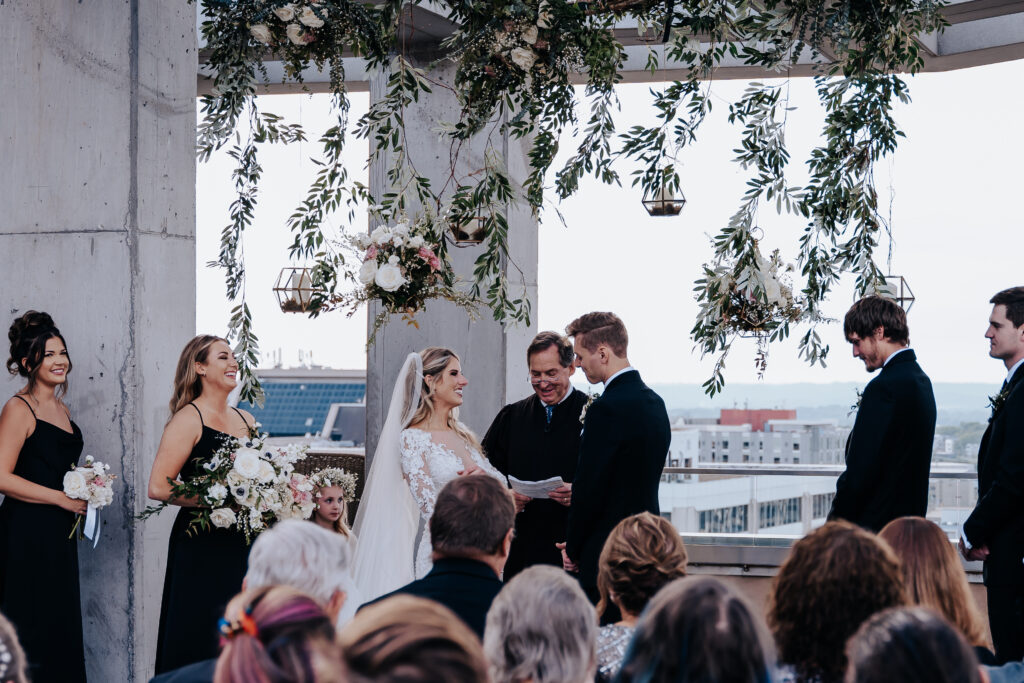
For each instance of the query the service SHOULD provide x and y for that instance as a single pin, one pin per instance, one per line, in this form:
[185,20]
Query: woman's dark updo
[28,336]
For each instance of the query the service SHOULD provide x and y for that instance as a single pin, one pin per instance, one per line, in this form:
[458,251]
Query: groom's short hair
[1013,299]
[593,329]
[872,312]
[471,517]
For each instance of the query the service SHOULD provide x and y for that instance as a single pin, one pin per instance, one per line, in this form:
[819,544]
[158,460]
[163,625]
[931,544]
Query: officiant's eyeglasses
[537,381]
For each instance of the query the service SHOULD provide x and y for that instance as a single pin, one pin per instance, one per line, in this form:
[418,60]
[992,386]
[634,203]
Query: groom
[624,443]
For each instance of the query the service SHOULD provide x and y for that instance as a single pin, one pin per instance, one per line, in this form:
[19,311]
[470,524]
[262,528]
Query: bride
[422,447]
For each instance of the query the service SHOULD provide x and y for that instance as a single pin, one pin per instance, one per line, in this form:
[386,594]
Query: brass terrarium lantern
[469,232]
[294,289]
[664,203]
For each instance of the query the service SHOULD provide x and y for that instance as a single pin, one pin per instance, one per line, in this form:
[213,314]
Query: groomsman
[889,451]
[626,437]
[995,530]
[538,438]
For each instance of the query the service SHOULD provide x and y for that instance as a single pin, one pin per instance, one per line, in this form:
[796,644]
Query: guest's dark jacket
[625,442]
[523,444]
[200,672]
[466,587]
[889,451]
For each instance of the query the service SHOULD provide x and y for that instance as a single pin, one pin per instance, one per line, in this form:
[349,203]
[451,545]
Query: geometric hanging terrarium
[294,289]
[664,203]
[899,291]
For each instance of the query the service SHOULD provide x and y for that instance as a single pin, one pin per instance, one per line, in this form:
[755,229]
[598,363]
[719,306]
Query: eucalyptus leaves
[516,63]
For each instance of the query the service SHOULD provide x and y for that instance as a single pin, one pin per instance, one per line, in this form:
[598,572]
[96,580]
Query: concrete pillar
[97,227]
[493,355]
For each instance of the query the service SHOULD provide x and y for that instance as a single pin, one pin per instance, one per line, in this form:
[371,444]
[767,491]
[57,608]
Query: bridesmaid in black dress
[38,563]
[204,569]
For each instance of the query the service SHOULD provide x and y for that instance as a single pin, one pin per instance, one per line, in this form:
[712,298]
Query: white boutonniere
[997,402]
[856,404]
[586,406]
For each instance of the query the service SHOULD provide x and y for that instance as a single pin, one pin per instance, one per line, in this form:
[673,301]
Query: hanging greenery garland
[516,63]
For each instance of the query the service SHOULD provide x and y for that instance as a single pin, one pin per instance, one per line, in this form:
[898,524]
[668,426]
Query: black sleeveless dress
[39,564]
[204,571]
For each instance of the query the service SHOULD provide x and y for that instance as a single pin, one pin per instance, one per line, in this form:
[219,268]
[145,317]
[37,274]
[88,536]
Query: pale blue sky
[959,235]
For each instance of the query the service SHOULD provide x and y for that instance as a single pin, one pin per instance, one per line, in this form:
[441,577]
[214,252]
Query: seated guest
[12,657]
[274,634]
[541,629]
[935,578]
[292,553]
[696,630]
[910,645]
[470,533]
[834,579]
[405,639]
[642,554]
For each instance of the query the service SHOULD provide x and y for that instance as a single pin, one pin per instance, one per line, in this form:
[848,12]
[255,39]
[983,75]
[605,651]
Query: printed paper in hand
[535,489]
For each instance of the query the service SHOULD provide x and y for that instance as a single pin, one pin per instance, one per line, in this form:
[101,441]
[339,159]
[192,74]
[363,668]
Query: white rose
[247,463]
[401,229]
[772,290]
[266,472]
[398,241]
[217,493]
[380,235]
[523,57]
[368,271]
[261,32]
[285,12]
[530,35]
[100,497]
[362,240]
[75,486]
[544,15]
[296,34]
[416,242]
[309,17]
[222,518]
[393,259]
[389,277]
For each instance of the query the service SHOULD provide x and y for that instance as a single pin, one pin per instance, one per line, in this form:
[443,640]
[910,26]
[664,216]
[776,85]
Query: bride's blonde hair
[435,360]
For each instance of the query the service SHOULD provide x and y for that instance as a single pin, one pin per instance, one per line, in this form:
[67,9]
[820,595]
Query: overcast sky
[953,192]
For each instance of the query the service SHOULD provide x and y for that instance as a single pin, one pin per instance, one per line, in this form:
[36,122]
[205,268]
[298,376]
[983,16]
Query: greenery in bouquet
[402,266]
[248,486]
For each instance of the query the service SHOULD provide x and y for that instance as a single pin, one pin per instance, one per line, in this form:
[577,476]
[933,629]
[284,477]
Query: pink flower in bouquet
[426,253]
[371,252]
[435,263]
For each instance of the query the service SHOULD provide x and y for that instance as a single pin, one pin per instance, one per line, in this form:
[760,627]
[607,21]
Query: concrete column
[97,189]
[493,355]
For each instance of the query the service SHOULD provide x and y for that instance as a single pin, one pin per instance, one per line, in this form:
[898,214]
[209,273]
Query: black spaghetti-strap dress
[204,571]
[38,563]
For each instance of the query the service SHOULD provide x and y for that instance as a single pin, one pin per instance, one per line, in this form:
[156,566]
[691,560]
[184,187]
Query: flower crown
[335,476]
[6,658]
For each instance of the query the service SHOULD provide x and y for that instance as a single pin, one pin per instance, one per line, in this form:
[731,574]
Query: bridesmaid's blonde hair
[435,360]
[187,385]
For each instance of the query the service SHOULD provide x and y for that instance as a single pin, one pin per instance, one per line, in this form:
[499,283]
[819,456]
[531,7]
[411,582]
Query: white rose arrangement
[92,483]
[292,23]
[246,485]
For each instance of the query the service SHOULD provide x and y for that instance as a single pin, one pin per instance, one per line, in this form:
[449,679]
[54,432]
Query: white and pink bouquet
[91,483]
[248,486]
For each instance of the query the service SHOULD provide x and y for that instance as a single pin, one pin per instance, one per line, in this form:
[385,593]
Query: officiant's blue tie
[549,410]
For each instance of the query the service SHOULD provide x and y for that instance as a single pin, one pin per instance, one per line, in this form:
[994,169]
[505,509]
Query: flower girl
[333,489]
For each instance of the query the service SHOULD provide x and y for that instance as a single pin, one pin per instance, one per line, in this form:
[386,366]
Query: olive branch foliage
[517,64]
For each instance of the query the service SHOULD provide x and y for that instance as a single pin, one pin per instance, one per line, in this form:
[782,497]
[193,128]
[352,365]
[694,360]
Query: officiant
[535,439]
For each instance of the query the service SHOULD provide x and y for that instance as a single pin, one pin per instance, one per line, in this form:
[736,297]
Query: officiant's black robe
[521,443]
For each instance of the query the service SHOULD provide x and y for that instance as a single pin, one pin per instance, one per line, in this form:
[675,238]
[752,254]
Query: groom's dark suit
[625,441]
[889,451]
[998,520]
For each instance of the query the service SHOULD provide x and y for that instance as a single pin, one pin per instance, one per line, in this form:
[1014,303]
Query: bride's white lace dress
[428,466]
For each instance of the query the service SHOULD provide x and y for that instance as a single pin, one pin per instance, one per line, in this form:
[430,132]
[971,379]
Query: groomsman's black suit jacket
[889,451]
[998,520]
[625,441]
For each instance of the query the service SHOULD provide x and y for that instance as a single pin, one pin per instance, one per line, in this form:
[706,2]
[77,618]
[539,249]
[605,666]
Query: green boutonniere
[590,399]
[997,402]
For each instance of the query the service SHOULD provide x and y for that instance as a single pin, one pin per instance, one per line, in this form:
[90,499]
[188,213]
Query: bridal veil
[388,518]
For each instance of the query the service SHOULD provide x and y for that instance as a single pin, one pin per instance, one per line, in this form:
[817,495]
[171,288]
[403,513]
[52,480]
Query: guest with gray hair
[300,555]
[543,629]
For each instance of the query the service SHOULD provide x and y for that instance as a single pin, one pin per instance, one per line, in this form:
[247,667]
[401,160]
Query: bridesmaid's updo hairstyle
[28,336]
[187,385]
[435,360]
[12,657]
